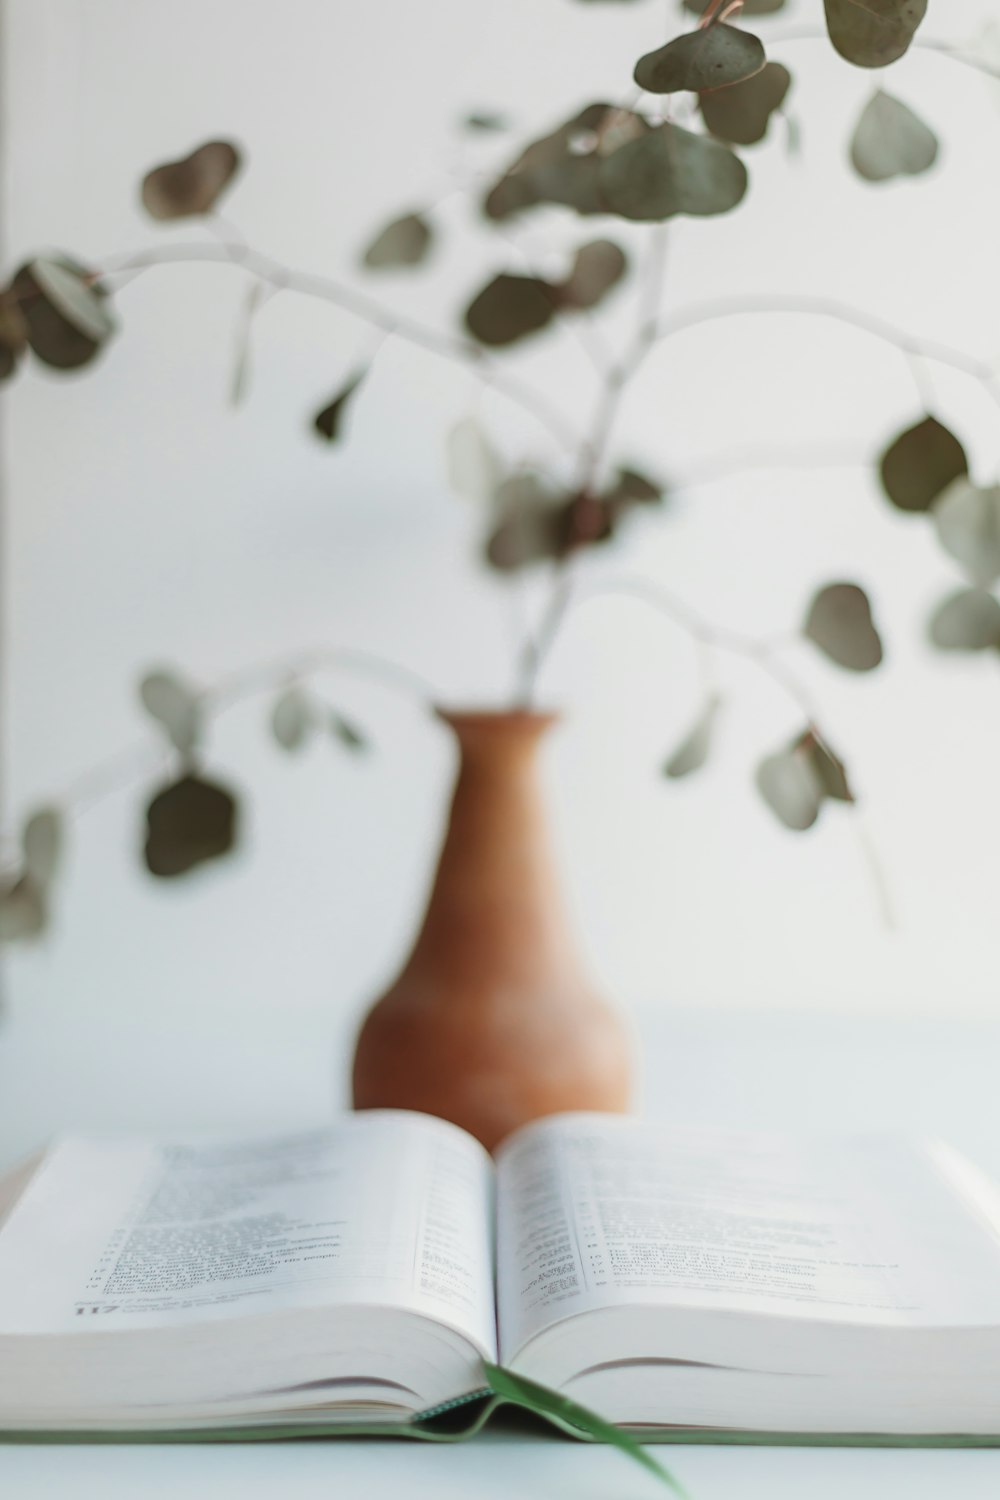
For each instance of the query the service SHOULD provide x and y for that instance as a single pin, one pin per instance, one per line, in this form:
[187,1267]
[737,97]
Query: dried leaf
[670,171]
[872,33]
[329,422]
[192,185]
[966,621]
[742,113]
[839,622]
[404,242]
[176,706]
[188,823]
[709,58]
[693,751]
[891,141]
[968,526]
[510,308]
[919,464]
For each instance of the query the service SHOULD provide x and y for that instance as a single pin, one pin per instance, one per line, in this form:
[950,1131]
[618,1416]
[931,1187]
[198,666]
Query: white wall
[148,522]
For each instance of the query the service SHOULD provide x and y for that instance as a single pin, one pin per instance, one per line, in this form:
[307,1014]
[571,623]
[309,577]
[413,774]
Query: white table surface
[795,1071]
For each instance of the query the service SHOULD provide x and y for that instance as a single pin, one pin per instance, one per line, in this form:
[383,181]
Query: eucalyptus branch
[359,305]
[740,459]
[751,305]
[763,653]
[250,681]
[116,772]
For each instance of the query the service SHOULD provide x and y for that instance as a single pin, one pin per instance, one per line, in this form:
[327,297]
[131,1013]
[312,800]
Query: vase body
[493,1021]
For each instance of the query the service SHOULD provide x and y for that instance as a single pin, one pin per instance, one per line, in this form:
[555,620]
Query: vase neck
[496,899]
[497,738]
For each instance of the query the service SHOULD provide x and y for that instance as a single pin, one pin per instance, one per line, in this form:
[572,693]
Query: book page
[595,1211]
[385,1208]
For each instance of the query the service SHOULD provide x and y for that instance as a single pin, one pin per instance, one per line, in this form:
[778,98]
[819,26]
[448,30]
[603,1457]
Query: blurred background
[147,522]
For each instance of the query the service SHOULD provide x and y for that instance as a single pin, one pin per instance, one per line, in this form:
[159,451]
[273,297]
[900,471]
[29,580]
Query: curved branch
[359,305]
[753,305]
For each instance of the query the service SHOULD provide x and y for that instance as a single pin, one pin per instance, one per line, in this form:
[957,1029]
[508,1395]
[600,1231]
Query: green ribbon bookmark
[560,1409]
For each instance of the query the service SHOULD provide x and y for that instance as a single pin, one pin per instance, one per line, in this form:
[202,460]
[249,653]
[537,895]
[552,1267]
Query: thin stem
[591,459]
[763,654]
[877,875]
[360,305]
[617,379]
[705,632]
[537,646]
[726,463]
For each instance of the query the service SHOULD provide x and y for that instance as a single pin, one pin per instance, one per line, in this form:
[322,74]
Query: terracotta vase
[493,1021]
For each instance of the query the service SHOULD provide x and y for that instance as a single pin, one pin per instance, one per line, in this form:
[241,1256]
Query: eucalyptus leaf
[840,623]
[64,311]
[176,706]
[919,464]
[292,718]
[510,308]
[628,490]
[968,620]
[41,842]
[670,171]
[891,141]
[13,333]
[23,910]
[790,785]
[829,769]
[347,733]
[709,58]
[693,750]
[188,823]
[474,468]
[486,121]
[529,526]
[872,33]
[968,527]
[564,166]
[193,185]
[404,242]
[328,422]
[741,114]
[597,268]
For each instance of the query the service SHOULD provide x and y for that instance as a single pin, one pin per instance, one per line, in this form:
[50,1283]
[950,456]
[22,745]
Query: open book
[366,1277]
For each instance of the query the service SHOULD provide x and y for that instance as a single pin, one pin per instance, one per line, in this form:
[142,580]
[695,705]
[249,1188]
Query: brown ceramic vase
[493,1021]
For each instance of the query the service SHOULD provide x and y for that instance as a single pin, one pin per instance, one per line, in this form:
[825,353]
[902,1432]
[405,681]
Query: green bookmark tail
[569,1414]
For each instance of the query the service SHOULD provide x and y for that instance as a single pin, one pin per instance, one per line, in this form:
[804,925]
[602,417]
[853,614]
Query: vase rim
[513,719]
